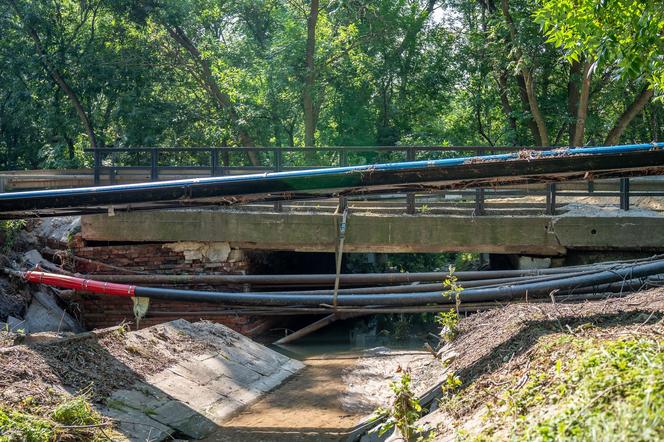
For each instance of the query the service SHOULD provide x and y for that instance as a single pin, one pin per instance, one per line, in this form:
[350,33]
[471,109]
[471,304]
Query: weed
[611,390]
[32,422]
[122,330]
[404,411]
[402,328]
[449,320]
[10,230]
[453,289]
[76,411]
[451,383]
[16,426]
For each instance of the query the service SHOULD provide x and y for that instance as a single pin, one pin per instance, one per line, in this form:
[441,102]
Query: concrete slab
[193,397]
[389,233]
[137,427]
[45,315]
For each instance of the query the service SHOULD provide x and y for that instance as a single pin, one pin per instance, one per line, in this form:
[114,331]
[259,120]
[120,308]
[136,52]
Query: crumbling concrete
[541,235]
[45,315]
[202,251]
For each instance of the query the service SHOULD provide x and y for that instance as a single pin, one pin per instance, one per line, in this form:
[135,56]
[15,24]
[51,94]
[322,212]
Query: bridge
[535,219]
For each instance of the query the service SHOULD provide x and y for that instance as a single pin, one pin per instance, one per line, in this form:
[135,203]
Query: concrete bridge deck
[510,226]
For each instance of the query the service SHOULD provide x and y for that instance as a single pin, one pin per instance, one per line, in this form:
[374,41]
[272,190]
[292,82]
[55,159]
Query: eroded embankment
[552,372]
[175,379]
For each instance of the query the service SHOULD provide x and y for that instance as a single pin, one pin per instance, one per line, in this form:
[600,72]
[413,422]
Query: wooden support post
[551,199]
[479,202]
[324,322]
[624,193]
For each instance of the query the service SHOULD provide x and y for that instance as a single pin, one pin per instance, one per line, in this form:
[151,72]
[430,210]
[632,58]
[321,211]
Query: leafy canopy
[627,33]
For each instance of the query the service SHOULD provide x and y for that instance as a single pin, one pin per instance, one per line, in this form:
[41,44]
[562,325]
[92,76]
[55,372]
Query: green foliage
[9,231]
[33,422]
[612,390]
[452,288]
[15,425]
[403,413]
[386,73]
[625,32]
[451,383]
[449,320]
[76,411]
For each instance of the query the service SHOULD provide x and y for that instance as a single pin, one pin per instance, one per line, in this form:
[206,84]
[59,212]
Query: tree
[624,33]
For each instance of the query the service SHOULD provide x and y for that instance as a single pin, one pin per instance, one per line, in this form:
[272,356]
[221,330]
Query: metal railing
[220,161]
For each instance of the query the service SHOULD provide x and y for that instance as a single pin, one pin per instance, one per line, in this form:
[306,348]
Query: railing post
[97,172]
[278,166]
[479,194]
[410,196]
[551,199]
[154,160]
[624,193]
[479,202]
[214,161]
[343,162]
[226,159]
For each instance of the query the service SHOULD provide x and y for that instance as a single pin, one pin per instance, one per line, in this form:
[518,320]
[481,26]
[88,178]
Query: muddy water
[307,407]
[333,394]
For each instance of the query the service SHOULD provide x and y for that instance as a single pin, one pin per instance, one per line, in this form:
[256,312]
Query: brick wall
[98,311]
[153,258]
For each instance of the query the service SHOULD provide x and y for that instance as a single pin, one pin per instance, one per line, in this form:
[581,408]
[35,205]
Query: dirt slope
[510,358]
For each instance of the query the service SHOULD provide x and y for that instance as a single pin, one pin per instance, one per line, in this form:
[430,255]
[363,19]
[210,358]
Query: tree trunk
[573,98]
[534,108]
[526,104]
[528,81]
[220,98]
[501,80]
[626,117]
[582,111]
[310,77]
[59,79]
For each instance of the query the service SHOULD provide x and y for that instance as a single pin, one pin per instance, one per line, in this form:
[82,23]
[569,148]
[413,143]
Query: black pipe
[328,279]
[471,295]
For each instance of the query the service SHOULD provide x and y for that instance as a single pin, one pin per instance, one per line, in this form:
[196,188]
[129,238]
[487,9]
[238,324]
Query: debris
[45,315]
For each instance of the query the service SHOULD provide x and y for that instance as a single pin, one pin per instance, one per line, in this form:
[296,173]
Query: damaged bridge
[579,228]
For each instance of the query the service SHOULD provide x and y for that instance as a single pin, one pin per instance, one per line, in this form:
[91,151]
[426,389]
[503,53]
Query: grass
[71,419]
[9,230]
[18,426]
[585,389]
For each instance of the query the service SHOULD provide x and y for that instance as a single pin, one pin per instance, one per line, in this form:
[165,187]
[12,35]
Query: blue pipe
[447,162]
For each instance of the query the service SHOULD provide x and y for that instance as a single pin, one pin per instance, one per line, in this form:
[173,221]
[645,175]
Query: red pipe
[86,285]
